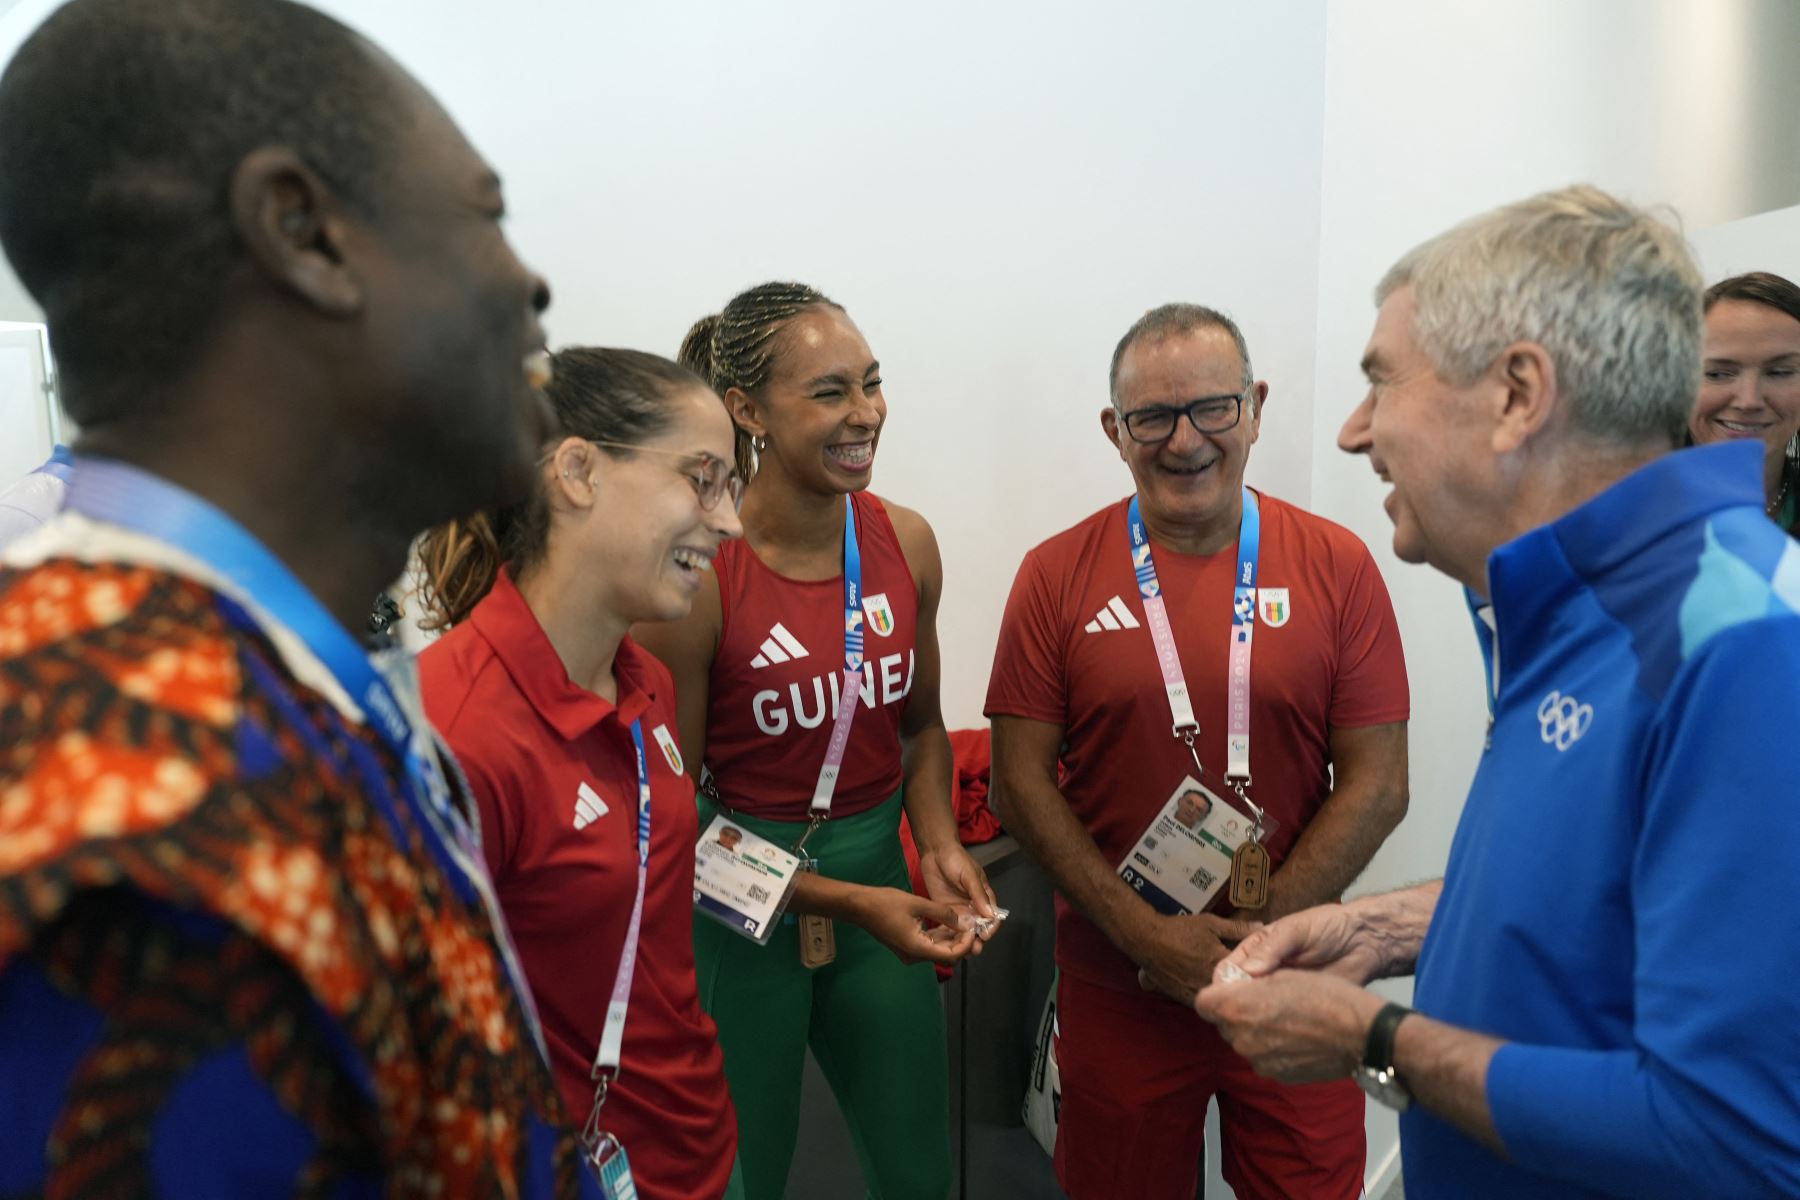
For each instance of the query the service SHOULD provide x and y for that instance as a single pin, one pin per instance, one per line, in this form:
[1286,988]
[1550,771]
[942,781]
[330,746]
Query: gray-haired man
[1605,1001]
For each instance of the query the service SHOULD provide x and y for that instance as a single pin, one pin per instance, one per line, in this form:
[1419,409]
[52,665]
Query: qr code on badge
[1202,879]
[1149,842]
[758,893]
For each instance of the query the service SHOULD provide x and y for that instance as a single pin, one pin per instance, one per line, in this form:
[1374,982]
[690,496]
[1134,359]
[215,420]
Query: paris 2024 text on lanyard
[818,940]
[605,1152]
[1198,840]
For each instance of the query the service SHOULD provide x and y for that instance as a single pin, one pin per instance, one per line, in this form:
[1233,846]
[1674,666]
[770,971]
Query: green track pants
[875,1025]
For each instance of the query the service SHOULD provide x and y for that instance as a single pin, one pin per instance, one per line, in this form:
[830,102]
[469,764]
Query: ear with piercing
[580,467]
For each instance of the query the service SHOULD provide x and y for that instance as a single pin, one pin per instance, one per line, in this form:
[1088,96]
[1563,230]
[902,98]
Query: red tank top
[780,666]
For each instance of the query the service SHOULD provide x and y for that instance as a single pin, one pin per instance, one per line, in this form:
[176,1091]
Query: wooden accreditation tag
[818,940]
[1250,876]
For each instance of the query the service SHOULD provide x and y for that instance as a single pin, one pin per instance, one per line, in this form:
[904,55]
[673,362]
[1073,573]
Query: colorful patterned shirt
[231,963]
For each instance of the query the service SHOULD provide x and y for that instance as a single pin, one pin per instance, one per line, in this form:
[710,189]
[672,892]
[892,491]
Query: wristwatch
[1377,1075]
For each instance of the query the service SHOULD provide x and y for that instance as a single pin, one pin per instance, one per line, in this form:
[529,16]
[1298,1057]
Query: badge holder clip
[1187,733]
[606,1153]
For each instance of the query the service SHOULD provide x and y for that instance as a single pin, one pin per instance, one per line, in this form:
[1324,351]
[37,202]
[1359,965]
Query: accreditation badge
[613,1169]
[741,880]
[1184,858]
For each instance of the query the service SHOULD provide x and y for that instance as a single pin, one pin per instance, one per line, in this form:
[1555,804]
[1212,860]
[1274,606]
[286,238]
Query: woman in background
[1751,382]
[761,671]
[557,718]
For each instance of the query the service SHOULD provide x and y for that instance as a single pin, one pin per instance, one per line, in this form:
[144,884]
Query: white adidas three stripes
[779,647]
[1114,616]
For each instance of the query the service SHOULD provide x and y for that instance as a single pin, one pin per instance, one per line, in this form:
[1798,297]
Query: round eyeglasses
[712,477]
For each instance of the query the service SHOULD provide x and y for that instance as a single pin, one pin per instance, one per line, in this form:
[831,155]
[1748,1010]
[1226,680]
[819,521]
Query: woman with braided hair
[563,727]
[807,686]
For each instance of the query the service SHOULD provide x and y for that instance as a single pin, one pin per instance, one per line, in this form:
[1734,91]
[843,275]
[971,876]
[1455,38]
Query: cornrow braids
[735,348]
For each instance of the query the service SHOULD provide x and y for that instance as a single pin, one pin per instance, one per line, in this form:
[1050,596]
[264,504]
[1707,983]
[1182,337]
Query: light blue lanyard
[118,494]
[612,1036]
[60,465]
[853,673]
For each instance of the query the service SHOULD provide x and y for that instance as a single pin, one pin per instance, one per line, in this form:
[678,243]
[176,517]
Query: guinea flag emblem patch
[881,616]
[671,752]
[1272,607]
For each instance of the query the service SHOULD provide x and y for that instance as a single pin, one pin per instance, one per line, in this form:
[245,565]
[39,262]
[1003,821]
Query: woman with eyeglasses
[807,675]
[1750,387]
[567,732]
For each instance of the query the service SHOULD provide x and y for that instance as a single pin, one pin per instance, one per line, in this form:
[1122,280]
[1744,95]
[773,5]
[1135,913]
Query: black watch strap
[1378,1055]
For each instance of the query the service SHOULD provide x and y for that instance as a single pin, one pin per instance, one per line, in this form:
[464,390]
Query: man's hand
[1178,954]
[896,918]
[1329,938]
[1294,1026]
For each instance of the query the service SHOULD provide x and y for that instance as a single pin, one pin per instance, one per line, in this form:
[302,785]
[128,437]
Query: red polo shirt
[1075,652]
[554,773]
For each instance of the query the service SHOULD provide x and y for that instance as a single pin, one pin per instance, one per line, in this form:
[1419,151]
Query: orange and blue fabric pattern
[230,963]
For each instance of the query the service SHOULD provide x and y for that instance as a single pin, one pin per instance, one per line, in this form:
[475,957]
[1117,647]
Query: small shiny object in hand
[1230,972]
[980,924]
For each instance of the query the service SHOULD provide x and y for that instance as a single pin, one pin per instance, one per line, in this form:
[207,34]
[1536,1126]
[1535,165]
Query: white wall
[1765,242]
[15,305]
[17,19]
[1434,112]
[994,191]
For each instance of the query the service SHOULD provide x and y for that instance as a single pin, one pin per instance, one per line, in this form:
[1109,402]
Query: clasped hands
[1288,996]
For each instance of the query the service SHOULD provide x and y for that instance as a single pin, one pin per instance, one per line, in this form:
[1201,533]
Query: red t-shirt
[554,774]
[773,691]
[1075,651]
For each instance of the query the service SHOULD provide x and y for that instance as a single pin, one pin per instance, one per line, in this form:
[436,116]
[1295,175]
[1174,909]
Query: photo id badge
[613,1169]
[741,880]
[1185,857]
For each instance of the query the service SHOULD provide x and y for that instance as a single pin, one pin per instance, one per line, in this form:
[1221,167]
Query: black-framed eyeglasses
[713,478]
[1208,414]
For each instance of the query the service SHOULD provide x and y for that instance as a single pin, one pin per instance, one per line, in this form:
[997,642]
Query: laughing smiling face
[648,531]
[1751,386]
[1190,478]
[1429,440]
[822,410]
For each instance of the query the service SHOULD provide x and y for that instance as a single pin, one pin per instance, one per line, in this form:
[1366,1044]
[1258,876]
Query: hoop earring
[759,444]
[1793,448]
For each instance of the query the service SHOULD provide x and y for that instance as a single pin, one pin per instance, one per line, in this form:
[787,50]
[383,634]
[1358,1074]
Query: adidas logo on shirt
[779,647]
[589,807]
[1114,616]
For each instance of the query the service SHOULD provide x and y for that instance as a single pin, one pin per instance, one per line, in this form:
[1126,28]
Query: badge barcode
[1149,842]
[758,893]
[1202,879]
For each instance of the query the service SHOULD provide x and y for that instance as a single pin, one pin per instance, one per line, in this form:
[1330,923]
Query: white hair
[1610,291]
